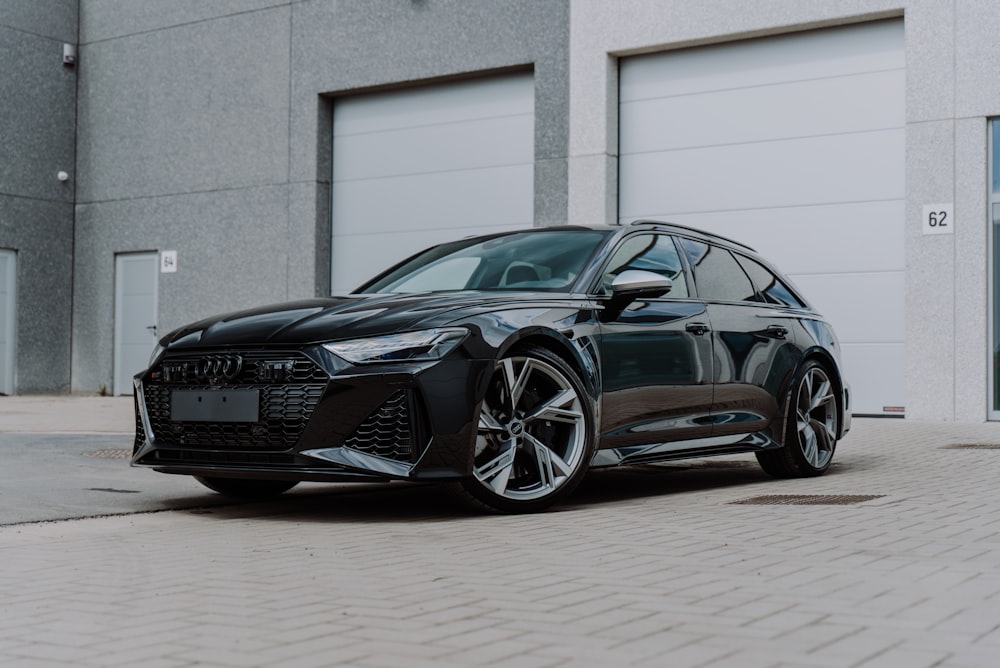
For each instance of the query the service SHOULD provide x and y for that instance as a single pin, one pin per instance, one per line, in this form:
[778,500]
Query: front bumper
[319,418]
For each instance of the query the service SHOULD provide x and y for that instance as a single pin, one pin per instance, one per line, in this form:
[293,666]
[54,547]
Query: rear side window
[717,274]
[771,288]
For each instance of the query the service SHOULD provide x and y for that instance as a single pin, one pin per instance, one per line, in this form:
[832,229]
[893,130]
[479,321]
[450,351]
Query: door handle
[779,331]
[152,329]
[698,328]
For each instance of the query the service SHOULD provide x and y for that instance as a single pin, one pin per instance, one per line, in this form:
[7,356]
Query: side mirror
[635,283]
[630,285]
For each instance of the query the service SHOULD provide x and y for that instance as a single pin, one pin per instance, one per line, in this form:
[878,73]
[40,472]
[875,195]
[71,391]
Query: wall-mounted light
[62,176]
[69,55]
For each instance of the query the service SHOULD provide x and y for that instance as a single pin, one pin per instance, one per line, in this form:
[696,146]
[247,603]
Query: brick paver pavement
[649,566]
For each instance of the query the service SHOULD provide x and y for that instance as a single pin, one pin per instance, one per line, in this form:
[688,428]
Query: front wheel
[247,489]
[810,429]
[536,434]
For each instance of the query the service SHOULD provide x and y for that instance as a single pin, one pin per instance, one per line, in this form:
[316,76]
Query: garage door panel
[873,372]
[862,167]
[798,109]
[354,264]
[863,307]
[795,145]
[420,165]
[853,237]
[434,148]
[807,55]
[434,105]
[500,195]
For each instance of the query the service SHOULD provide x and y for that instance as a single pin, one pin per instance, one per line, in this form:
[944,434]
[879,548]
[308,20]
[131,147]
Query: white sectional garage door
[418,166]
[794,145]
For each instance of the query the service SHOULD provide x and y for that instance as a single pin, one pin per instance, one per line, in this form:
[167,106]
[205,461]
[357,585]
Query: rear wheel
[247,489]
[810,429]
[535,437]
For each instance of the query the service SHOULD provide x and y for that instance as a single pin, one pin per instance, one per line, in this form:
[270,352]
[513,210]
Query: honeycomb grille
[284,409]
[388,432]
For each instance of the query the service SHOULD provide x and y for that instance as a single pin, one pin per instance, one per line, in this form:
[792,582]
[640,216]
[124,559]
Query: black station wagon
[509,365]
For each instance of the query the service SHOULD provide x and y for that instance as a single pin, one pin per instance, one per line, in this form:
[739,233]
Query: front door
[657,354]
[8,276]
[136,277]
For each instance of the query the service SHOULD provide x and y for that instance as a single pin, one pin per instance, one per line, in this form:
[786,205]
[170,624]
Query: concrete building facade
[251,151]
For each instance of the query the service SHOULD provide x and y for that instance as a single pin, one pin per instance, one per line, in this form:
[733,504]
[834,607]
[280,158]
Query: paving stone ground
[651,566]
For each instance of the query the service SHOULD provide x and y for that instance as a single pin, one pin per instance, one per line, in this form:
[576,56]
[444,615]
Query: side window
[717,274]
[772,289]
[649,252]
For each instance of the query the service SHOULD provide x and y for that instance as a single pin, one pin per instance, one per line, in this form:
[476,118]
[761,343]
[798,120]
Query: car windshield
[533,260]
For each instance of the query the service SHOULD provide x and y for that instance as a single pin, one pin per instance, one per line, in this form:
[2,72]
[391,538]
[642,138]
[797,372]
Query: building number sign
[168,262]
[939,218]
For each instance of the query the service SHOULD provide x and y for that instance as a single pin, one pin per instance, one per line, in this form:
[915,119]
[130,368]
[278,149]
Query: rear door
[656,353]
[754,342]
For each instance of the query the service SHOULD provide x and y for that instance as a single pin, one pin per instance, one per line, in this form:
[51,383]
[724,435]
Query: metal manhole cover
[807,499]
[109,454]
[972,446]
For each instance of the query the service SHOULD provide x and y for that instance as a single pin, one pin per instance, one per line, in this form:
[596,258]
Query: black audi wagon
[508,365]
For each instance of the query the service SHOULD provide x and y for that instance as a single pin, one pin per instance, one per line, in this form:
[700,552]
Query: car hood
[353,316]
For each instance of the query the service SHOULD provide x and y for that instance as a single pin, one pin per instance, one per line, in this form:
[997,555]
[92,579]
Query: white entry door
[8,277]
[136,276]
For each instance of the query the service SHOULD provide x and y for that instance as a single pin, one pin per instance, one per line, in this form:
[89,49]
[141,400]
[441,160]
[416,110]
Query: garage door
[794,145]
[418,166]
[8,275]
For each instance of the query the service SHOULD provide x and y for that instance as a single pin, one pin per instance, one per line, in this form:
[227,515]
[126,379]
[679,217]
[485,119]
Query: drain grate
[807,499]
[972,446]
[109,454]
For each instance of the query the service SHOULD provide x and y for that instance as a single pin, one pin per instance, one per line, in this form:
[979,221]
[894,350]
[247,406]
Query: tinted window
[648,252]
[771,288]
[717,274]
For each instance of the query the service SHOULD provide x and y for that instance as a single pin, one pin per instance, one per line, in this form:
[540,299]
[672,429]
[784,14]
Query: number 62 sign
[939,219]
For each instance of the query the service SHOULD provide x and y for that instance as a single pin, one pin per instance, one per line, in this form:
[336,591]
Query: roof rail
[665,224]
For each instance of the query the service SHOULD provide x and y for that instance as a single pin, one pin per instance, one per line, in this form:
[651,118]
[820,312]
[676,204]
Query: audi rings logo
[217,368]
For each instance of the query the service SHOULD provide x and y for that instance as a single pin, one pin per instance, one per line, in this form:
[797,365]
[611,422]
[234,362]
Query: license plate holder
[215,405]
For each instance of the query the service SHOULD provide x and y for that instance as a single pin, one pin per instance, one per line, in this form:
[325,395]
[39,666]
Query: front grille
[217,458]
[284,409]
[392,431]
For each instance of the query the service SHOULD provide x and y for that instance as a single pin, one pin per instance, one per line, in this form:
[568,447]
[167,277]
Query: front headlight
[427,344]
[157,351]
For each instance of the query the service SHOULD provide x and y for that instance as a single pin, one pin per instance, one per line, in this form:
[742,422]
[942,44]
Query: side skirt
[702,447]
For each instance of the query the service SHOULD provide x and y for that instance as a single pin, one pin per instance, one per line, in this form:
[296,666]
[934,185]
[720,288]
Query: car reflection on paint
[507,365]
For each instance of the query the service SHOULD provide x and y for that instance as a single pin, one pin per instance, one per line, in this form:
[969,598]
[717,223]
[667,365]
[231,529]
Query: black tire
[240,488]
[811,427]
[536,434]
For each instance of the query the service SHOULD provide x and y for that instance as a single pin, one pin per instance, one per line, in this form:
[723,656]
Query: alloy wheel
[816,417]
[532,436]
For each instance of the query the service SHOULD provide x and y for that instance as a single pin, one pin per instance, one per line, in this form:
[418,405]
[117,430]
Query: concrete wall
[951,65]
[207,130]
[38,117]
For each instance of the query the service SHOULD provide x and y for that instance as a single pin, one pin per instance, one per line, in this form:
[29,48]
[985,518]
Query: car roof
[683,229]
[637,225]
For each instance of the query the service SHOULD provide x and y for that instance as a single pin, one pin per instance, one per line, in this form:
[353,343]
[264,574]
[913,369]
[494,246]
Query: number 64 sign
[938,218]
